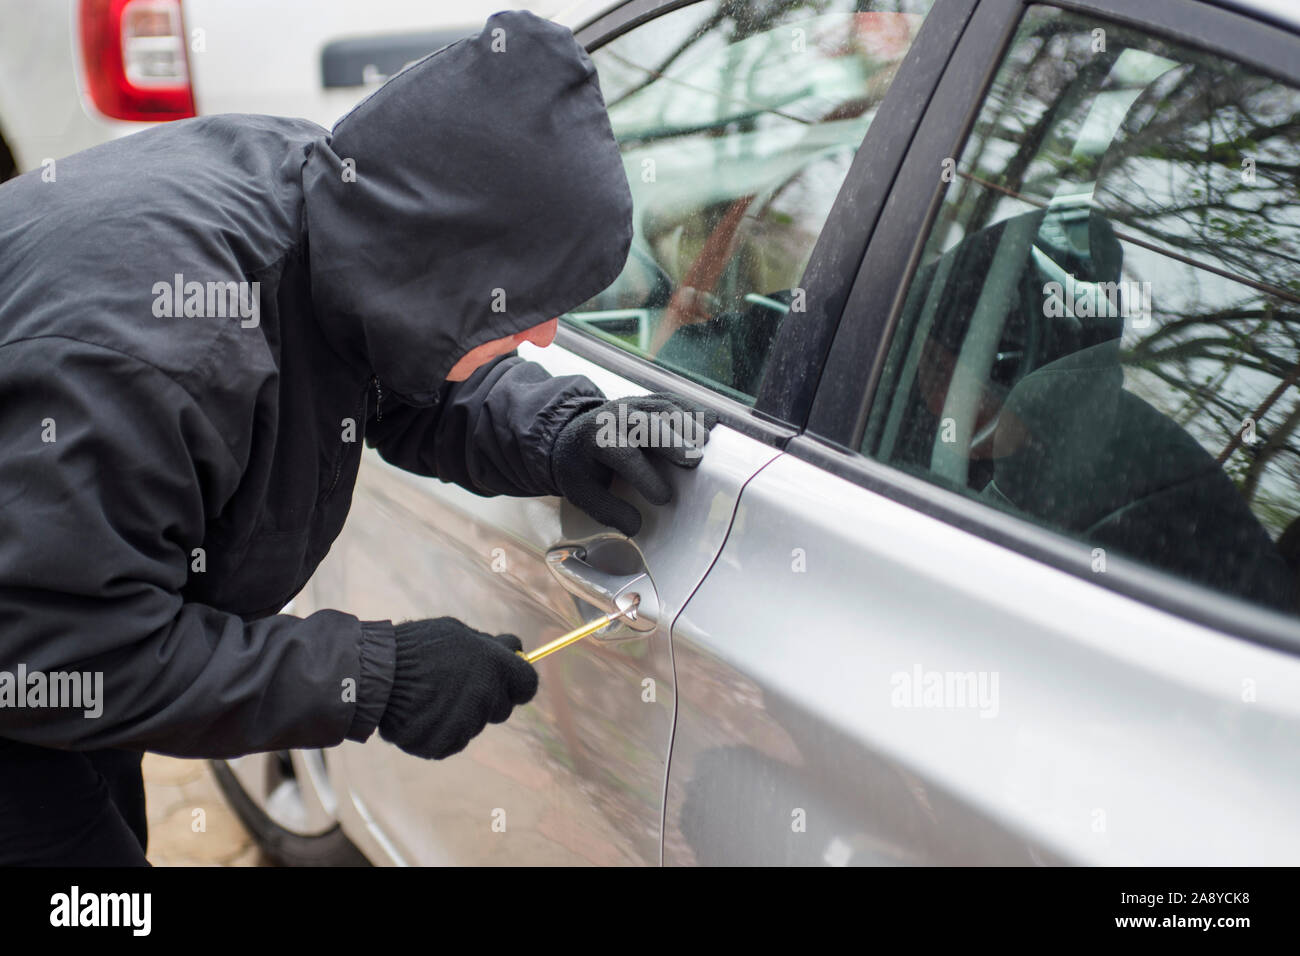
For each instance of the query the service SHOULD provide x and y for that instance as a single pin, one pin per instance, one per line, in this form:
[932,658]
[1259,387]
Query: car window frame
[844,397]
[786,392]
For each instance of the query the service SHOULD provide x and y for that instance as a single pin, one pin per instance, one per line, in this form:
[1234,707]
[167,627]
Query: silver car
[994,557]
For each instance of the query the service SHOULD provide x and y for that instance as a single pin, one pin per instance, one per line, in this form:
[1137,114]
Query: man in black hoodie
[199,324]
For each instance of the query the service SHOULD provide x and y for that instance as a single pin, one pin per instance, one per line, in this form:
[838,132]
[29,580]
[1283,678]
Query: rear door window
[1103,334]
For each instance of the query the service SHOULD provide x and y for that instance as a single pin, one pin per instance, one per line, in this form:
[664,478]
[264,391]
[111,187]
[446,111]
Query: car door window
[1103,334]
[737,123]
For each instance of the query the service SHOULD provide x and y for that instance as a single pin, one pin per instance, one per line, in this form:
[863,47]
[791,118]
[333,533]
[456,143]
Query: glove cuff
[378,653]
[565,413]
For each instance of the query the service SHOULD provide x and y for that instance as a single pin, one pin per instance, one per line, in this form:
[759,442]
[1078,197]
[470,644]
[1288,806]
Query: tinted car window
[1103,335]
[738,123]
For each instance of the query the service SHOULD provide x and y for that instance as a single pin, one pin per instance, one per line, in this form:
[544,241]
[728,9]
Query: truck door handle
[607,592]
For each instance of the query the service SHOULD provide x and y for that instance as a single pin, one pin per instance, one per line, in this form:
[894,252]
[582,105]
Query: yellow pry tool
[577,634]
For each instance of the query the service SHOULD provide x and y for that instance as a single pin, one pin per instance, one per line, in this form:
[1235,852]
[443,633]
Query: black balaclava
[489,196]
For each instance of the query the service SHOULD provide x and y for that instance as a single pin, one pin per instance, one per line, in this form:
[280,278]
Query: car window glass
[737,123]
[1103,334]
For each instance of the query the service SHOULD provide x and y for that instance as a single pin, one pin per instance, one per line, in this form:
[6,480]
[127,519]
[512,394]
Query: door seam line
[672,651]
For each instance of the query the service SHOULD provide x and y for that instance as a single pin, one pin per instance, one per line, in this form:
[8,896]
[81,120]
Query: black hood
[489,195]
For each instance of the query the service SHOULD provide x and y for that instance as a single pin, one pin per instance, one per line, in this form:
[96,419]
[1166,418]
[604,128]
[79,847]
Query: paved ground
[179,834]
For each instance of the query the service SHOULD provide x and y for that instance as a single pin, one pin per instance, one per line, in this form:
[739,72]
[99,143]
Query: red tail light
[135,59]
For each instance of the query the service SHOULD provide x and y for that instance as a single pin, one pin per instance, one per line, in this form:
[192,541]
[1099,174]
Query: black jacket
[169,481]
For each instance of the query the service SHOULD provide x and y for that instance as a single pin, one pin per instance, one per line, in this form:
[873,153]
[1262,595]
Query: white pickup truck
[74,73]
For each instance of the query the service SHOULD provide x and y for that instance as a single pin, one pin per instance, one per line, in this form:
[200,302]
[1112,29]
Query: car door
[739,127]
[1025,590]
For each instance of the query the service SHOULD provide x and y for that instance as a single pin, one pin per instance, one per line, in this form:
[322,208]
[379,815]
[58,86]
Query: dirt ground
[189,821]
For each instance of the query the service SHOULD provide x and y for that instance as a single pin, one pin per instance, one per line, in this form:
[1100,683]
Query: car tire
[282,845]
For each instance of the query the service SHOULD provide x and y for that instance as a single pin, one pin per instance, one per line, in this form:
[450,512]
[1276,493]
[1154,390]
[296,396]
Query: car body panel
[42,112]
[576,776]
[1102,731]
[1282,12]
[245,56]
[266,57]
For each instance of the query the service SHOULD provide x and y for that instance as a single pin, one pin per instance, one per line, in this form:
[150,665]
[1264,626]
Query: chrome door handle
[608,592]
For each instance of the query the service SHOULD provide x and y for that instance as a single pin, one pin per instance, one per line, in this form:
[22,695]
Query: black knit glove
[630,441]
[450,681]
